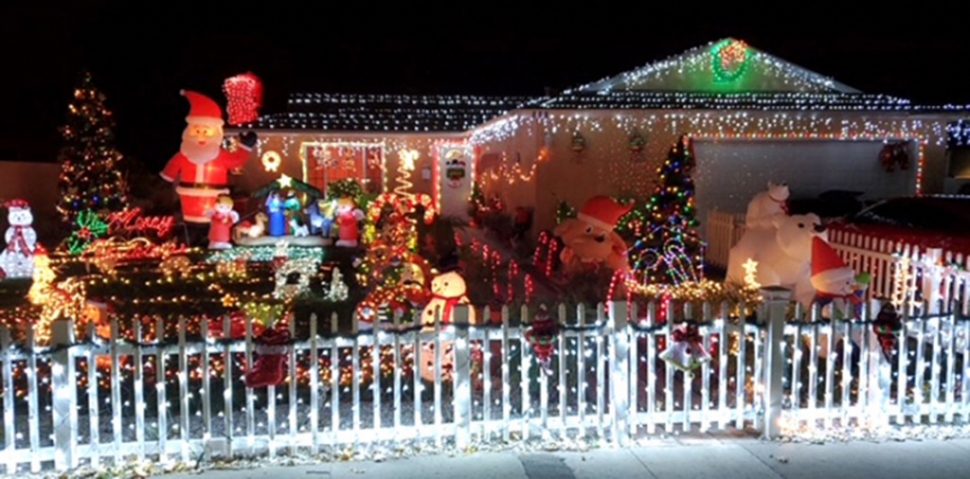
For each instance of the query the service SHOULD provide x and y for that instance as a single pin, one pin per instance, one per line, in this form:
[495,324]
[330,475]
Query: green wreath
[720,74]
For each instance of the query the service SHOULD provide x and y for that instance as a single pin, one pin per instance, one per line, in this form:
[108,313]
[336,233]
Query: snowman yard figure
[448,289]
[17,259]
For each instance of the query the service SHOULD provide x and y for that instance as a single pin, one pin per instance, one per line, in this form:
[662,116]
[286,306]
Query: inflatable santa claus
[202,165]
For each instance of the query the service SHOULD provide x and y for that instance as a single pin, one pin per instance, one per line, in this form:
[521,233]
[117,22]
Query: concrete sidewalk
[726,458]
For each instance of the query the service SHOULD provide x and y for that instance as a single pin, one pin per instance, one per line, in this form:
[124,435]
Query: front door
[455,175]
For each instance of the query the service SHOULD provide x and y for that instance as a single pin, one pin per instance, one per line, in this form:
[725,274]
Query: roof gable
[726,66]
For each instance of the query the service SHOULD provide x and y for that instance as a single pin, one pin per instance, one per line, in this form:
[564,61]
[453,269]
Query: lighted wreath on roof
[88,227]
[729,60]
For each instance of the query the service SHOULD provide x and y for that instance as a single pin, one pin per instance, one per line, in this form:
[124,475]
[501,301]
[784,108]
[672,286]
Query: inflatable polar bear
[766,205]
[783,253]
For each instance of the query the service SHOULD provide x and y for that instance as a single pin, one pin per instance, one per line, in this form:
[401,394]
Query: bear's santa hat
[827,266]
[602,212]
[204,110]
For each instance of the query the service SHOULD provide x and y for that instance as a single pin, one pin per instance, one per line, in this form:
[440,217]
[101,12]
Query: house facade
[752,117]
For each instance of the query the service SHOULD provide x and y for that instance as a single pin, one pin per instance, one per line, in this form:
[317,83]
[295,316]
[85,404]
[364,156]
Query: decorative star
[285,181]
[407,159]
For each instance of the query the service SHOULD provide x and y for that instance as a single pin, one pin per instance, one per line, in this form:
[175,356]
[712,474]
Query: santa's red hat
[826,264]
[204,110]
[602,212]
[40,250]
[16,204]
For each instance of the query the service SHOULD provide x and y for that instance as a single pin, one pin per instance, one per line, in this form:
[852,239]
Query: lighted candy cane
[496,262]
[543,240]
[513,273]
[553,246]
[529,288]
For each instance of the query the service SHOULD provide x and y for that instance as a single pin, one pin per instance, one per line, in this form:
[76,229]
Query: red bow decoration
[689,334]
[541,335]
[887,326]
[782,203]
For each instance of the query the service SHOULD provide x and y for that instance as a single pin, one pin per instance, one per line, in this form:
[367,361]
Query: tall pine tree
[91,178]
[670,251]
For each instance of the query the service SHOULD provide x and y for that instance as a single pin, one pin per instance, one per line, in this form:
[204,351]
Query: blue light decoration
[958,134]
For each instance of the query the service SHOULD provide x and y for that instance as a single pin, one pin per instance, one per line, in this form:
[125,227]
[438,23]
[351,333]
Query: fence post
[64,407]
[462,378]
[880,370]
[619,372]
[776,306]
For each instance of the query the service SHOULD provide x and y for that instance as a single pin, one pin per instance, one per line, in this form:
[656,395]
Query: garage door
[730,172]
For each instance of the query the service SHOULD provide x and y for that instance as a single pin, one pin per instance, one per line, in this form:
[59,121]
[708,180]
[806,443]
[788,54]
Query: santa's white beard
[200,154]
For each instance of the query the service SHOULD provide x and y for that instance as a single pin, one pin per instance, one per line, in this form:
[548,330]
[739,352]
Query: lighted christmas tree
[669,250]
[91,178]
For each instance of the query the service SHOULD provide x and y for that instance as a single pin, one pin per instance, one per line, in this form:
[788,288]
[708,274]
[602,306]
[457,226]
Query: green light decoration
[89,227]
[265,254]
[729,60]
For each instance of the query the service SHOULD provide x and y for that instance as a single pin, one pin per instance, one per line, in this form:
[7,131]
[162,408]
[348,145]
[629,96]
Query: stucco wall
[607,165]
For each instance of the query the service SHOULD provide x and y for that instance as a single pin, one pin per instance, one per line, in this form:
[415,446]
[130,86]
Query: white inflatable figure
[838,290]
[447,290]
[17,259]
[766,205]
[783,254]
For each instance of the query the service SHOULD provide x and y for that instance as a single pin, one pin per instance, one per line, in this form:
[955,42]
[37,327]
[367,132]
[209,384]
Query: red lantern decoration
[244,94]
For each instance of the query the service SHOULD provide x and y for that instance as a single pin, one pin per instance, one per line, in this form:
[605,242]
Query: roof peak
[728,65]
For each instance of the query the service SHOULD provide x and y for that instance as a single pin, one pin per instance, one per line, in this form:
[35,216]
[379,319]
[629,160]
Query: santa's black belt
[203,186]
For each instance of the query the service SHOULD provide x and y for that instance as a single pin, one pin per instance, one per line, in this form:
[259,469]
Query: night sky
[142,55]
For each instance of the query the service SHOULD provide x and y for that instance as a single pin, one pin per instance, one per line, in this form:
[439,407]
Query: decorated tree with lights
[669,250]
[90,175]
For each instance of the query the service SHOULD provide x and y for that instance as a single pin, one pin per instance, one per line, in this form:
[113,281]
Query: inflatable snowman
[448,289]
[17,259]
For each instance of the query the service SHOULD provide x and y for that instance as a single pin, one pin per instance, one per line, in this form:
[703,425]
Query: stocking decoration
[887,326]
[270,368]
[685,350]
[542,337]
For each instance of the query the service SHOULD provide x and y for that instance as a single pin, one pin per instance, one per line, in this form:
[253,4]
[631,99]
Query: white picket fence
[606,381]
[899,271]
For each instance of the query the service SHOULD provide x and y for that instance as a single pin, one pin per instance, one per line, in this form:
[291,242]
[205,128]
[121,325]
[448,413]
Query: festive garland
[729,60]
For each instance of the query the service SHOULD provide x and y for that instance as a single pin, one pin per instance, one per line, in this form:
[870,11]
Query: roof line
[608,83]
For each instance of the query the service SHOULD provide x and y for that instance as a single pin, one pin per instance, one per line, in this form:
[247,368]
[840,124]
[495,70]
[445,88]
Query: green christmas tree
[91,178]
[669,250]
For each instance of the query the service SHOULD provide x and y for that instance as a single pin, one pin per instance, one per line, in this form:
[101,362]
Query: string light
[404,169]
[388,113]
[90,174]
[304,268]
[244,96]
[271,161]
